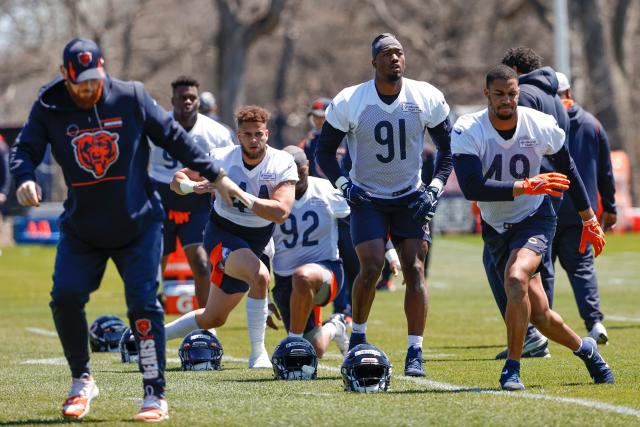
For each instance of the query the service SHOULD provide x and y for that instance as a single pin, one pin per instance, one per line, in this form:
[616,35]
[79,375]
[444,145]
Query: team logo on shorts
[533,240]
[143,326]
[426,230]
[95,152]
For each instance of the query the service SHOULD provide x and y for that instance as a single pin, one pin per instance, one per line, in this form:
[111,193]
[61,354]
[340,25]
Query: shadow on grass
[44,422]
[263,380]
[452,359]
[465,390]
[470,347]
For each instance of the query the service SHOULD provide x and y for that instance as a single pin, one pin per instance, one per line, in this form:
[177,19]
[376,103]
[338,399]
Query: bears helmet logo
[95,152]
[143,326]
[85,58]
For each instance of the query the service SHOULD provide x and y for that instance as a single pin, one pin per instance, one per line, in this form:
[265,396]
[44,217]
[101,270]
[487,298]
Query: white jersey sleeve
[206,134]
[552,133]
[338,110]
[261,181]
[436,107]
[310,234]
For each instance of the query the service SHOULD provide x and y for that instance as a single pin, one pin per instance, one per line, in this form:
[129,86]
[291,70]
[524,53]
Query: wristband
[438,184]
[187,186]
[341,182]
[592,220]
[392,256]
[252,200]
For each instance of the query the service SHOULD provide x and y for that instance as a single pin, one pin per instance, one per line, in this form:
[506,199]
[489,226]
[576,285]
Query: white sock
[291,334]
[415,340]
[257,312]
[181,326]
[330,330]
[359,328]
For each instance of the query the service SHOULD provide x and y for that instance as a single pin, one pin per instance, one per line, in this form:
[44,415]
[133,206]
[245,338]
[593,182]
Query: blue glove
[424,206]
[355,195]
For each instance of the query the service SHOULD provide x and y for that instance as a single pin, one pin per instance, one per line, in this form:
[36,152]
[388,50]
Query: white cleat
[259,359]
[599,333]
[341,338]
[153,410]
[78,404]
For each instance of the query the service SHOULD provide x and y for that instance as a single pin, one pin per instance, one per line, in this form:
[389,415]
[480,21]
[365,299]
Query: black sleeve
[29,148]
[606,182]
[441,137]
[328,144]
[473,184]
[168,134]
[563,163]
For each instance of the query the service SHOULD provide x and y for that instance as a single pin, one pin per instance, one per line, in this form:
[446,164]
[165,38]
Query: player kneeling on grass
[497,156]
[235,236]
[307,268]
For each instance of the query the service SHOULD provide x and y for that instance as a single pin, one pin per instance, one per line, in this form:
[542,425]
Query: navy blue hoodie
[104,153]
[538,90]
[589,147]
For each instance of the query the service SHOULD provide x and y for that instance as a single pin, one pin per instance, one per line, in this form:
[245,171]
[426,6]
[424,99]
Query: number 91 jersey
[310,234]
[386,141]
[276,167]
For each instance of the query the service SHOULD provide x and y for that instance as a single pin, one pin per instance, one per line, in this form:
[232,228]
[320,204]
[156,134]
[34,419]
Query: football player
[235,236]
[384,120]
[99,129]
[186,216]
[307,268]
[497,157]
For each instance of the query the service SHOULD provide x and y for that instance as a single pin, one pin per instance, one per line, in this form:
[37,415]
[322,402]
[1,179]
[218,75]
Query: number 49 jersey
[310,234]
[386,141]
[276,167]
[536,135]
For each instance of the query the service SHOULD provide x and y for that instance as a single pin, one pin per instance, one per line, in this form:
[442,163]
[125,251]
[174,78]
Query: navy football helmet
[105,333]
[128,347]
[294,358]
[366,369]
[201,351]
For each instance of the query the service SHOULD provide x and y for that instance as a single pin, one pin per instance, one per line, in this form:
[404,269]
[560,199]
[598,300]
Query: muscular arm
[441,137]
[473,184]
[186,179]
[278,208]
[328,144]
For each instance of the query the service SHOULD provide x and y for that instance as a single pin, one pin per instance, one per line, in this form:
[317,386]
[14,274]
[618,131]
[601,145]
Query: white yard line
[49,361]
[622,318]
[40,331]
[623,410]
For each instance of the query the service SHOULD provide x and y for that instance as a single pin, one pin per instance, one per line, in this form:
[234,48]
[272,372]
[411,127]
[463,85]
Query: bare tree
[235,37]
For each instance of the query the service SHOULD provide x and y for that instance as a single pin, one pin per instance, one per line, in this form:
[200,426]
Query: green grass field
[464,332]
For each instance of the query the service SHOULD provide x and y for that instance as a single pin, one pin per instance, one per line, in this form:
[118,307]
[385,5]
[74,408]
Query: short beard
[253,156]
[394,77]
[504,117]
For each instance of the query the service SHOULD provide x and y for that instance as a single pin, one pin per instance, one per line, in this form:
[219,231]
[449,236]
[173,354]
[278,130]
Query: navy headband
[384,41]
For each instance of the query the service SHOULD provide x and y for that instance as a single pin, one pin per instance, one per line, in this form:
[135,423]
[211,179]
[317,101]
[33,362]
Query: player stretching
[236,236]
[497,156]
[308,270]
[385,120]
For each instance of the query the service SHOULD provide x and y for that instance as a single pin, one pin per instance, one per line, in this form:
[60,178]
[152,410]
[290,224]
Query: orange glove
[552,183]
[592,233]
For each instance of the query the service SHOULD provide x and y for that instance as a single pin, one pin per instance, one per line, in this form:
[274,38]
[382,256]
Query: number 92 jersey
[310,234]
[386,141]
[537,134]
[276,167]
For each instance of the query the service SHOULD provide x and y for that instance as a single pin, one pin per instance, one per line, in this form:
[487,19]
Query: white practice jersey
[276,167]
[537,134]
[206,133]
[310,234]
[386,141]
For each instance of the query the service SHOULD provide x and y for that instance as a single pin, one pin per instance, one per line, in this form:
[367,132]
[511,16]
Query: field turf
[464,333]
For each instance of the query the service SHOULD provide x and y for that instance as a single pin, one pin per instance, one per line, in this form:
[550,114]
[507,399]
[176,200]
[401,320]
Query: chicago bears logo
[95,152]
[143,326]
[85,58]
